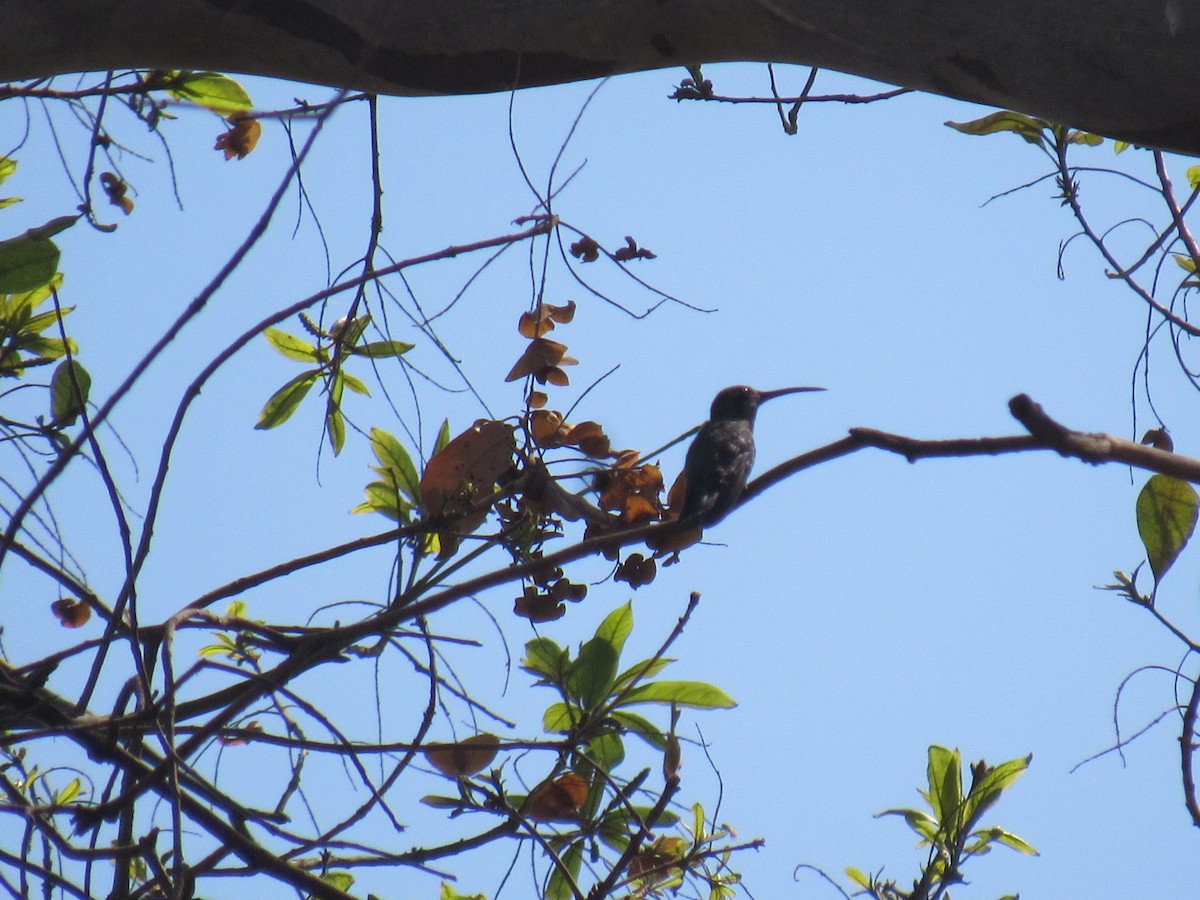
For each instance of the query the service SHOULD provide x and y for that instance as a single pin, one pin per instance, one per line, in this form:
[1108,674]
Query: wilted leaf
[537,606]
[585,249]
[70,612]
[465,758]
[636,571]
[240,138]
[561,798]
[542,359]
[590,438]
[632,251]
[1166,518]
[466,467]
[115,189]
[546,427]
[541,320]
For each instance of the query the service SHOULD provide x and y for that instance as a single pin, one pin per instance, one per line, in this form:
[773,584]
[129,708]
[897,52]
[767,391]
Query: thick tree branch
[1125,68]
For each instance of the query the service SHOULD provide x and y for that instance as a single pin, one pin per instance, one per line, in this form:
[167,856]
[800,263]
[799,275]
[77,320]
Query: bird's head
[741,402]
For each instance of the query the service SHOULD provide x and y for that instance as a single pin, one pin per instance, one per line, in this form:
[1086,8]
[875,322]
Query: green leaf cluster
[24,342]
[328,357]
[596,710]
[950,828]
[8,165]
[396,492]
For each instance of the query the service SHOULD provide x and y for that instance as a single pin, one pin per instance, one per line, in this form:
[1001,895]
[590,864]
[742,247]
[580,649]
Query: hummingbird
[722,453]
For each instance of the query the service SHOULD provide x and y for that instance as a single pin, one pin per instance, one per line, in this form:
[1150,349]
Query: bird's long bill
[764,396]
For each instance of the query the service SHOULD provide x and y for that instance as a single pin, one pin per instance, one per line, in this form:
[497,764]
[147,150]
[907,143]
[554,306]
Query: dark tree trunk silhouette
[1123,68]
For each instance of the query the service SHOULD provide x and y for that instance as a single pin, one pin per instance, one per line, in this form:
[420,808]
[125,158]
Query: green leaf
[70,792]
[212,90]
[448,893]
[1166,518]
[1185,262]
[335,422]
[643,728]
[1085,137]
[384,499]
[8,165]
[558,887]
[944,772]
[291,346]
[339,879]
[443,438]
[857,876]
[395,461]
[545,658]
[1011,840]
[382,349]
[30,261]
[1027,127]
[1193,177]
[69,388]
[435,801]
[699,825]
[559,718]
[590,677]
[925,825]
[986,790]
[696,694]
[279,408]
[616,627]
[640,671]
[9,201]
[355,384]
[606,750]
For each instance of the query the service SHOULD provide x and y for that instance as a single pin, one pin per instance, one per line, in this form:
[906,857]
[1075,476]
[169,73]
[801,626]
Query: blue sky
[858,612]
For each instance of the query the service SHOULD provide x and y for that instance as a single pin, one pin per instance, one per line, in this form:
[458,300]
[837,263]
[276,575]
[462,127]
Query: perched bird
[722,453]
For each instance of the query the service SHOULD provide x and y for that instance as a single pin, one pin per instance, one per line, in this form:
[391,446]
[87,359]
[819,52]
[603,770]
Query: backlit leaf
[465,758]
[1166,518]
[29,261]
[382,349]
[695,694]
[394,459]
[1027,127]
[291,346]
[279,408]
[69,388]
[212,90]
